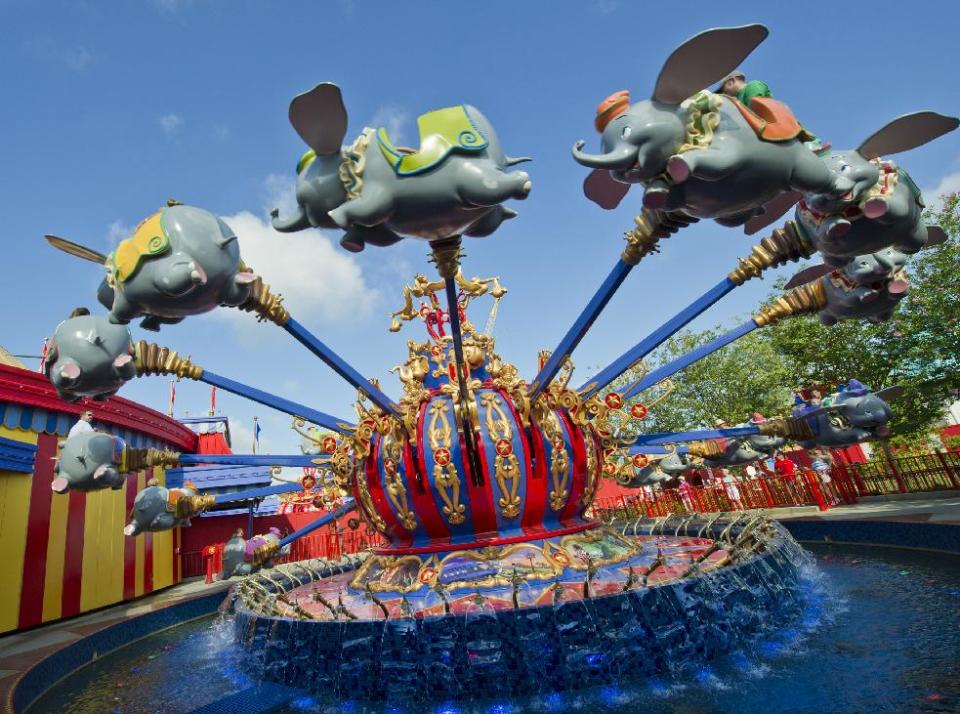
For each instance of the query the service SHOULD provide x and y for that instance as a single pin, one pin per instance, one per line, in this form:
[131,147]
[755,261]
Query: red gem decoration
[504,447]
[426,575]
[308,482]
[389,465]
[640,460]
[442,456]
[609,468]
[638,411]
[613,400]
[329,444]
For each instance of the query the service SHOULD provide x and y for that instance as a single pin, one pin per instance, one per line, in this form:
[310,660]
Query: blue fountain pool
[880,632]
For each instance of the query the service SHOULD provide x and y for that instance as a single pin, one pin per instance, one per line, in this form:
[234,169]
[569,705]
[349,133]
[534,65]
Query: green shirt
[753,88]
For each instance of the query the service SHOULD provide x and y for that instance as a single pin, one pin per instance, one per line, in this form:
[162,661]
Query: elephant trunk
[297,222]
[618,159]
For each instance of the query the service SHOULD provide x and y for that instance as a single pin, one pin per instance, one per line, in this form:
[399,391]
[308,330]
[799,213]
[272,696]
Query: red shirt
[785,467]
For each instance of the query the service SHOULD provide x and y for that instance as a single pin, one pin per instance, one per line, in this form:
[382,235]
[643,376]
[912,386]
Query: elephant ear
[77,250]
[935,236]
[808,275]
[772,210]
[320,118]
[600,188]
[891,393]
[705,59]
[907,132]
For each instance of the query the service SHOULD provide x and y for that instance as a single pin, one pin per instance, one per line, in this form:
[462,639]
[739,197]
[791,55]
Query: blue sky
[111,107]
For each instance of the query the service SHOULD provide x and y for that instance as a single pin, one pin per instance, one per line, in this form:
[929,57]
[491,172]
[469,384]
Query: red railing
[325,544]
[933,471]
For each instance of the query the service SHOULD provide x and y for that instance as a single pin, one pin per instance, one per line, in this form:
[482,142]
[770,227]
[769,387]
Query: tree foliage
[918,348]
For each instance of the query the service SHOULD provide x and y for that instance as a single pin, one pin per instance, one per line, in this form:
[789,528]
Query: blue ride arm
[279,403]
[686,360]
[656,338]
[348,505]
[696,435]
[353,377]
[273,490]
[579,328]
[249,459]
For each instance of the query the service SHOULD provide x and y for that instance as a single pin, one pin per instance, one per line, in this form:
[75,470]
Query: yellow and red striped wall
[65,554]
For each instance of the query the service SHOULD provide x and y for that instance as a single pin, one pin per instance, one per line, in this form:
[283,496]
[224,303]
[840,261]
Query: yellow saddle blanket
[441,132]
[148,240]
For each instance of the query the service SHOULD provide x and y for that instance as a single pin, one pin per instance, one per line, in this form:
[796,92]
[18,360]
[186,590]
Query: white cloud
[117,231]
[319,281]
[171,125]
[606,7]
[948,184]
[78,58]
[395,120]
[280,192]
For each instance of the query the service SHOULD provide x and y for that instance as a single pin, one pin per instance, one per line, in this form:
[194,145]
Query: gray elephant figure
[765,444]
[156,508]
[238,553]
[89,356]
[89,461]
[869,287]
[853,415]
[704,154]
[658,471]
[737,452]
[377,192]
[874,204]
[180,261]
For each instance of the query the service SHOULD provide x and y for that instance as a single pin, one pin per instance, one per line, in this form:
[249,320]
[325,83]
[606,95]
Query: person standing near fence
[821,465]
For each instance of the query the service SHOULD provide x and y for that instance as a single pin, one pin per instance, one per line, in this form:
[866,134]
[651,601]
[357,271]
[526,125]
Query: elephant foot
[827,320]
[655,197]
[678,169]
[351,243]
[875,207]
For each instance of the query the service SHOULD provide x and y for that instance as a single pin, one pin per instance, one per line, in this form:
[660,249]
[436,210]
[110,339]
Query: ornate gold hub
[506,466]
[445,475]
[393,469]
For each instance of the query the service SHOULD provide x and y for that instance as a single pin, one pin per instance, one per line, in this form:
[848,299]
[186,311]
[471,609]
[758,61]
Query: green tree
[918,348]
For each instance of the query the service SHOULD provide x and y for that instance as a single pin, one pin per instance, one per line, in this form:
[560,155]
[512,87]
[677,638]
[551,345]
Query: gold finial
[705,449]
[800,301]
[652,225]
[135,458]
[446,254]
[783,245]
[190,506]
[265,304]
[789,427]
[171,202]
[154,359]
[266,551]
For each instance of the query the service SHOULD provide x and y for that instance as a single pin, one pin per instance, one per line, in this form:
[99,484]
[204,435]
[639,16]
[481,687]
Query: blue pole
[348,505]
[579,328]
[279,403]
[649,343]
[308,340]
[696,435]
[645,449]
[453,308]
[254,493]
[686,360]
[250,520]
[249,459]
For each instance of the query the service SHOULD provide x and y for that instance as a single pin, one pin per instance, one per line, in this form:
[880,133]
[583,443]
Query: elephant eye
[626,132]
